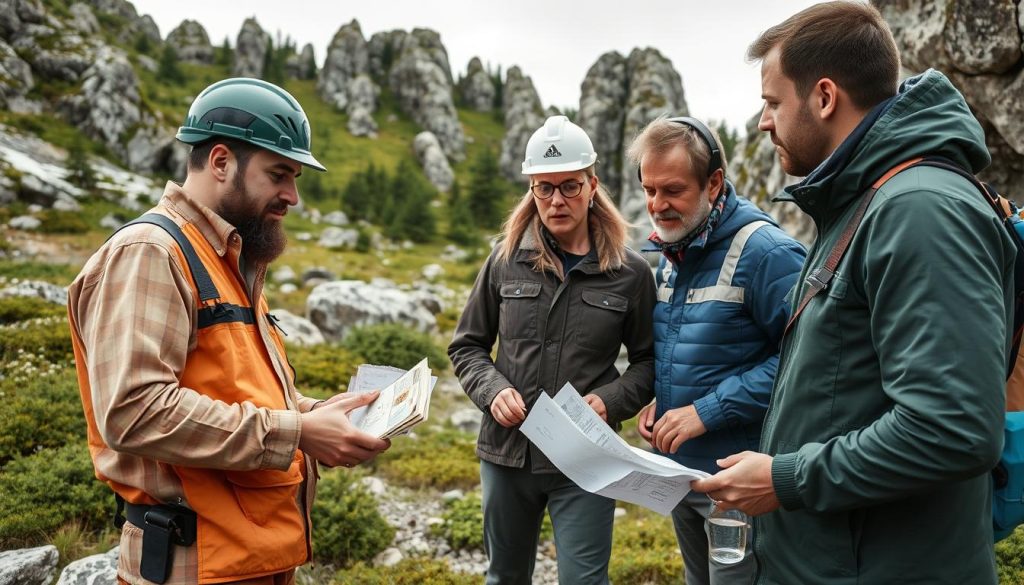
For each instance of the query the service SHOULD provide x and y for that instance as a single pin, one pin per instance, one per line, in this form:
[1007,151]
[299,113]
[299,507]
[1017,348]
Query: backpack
[1008,475]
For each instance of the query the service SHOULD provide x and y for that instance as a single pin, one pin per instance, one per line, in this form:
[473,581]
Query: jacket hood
[928,116]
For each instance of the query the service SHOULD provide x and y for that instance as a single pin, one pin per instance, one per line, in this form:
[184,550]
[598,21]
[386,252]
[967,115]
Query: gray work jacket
[552,331]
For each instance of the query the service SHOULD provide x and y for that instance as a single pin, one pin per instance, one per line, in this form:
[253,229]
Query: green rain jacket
[887,412]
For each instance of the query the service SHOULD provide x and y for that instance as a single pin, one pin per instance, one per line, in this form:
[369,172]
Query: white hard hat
[557,147]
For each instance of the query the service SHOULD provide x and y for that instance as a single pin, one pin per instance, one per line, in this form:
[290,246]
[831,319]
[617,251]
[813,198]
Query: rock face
[108,105]
[299,330]
[98,569]
[29,566]
[978,46]
[250,50]
[477,88]
[524,114]
[301,65]
[602,113]
[619,96]
[15,77]
[435,164]
[757,173]
[345,83]
[336,307]
[191,43]
[415,67]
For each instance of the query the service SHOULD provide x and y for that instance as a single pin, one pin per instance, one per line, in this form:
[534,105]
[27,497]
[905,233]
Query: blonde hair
[607,227]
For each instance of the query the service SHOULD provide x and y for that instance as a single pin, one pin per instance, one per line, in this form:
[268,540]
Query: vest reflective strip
[724,290]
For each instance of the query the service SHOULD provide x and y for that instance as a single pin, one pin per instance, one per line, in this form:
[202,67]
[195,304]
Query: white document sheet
[589,452]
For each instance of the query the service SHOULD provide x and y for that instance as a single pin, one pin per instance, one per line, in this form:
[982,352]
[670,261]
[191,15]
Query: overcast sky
[553,41]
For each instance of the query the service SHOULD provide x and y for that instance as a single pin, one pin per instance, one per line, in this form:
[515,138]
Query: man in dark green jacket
[887,412]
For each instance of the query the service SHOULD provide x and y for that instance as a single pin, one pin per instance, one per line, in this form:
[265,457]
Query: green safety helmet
[253,111]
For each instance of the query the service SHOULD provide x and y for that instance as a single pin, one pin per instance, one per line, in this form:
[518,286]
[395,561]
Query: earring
[591,205]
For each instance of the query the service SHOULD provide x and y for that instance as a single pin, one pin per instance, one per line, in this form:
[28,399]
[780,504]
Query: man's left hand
[745,482]
[597,404]
[676,427]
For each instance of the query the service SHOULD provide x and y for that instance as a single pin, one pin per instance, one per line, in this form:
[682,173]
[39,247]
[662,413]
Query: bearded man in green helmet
[193,416]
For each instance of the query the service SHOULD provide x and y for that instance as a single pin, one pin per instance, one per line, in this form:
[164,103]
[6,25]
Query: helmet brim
[562,168]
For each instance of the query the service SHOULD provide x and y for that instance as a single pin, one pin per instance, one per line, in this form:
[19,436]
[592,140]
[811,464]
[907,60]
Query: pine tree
[312,186]
[311,67]
[224,54]
[403,183]
[486,196]
[169,71]
[355,197]
[80,172]
[461,228]
[414,219]
[143,44]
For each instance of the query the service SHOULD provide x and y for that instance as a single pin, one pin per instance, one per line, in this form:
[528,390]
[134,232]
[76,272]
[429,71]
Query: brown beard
[263,240]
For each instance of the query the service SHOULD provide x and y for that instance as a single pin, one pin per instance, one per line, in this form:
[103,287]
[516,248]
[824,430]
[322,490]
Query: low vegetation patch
[407,572]
[347,527]
[395,344]
[440,459]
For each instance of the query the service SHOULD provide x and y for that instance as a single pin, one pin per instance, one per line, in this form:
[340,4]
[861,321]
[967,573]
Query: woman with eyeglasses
[561,293]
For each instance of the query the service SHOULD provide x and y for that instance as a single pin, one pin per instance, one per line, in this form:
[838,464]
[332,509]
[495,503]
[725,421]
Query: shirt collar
[217,231]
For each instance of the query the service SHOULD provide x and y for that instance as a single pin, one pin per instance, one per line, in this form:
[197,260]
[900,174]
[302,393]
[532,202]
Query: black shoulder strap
[207,290]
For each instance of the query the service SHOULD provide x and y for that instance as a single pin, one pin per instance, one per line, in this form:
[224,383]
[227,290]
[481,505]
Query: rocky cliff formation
[191,43]
[250,50]
[524,114]
[978,46]
[415,68]
[39,49]
[477,89]
[619,96]
[345,83]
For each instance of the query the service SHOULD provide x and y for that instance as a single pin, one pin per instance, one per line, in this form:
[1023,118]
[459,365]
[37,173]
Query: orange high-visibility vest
[249,523]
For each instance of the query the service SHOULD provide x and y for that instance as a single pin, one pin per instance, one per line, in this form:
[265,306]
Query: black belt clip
[163,527]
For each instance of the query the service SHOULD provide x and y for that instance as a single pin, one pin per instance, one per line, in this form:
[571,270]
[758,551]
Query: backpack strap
[820,278]
[207,290]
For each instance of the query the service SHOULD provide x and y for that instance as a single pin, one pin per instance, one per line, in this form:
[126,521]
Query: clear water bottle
[727,535]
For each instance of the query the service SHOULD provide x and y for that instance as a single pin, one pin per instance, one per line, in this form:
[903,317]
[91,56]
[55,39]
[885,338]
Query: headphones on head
[715,162]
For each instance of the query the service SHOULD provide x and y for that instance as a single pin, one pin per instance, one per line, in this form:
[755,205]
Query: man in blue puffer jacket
[722,286]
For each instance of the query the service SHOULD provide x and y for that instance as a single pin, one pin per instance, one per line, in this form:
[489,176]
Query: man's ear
[716,185]
[221,162]
[826,98]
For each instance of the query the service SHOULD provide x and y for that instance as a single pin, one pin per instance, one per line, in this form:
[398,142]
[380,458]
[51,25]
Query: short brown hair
[662,134]
[243,151]
[847,42]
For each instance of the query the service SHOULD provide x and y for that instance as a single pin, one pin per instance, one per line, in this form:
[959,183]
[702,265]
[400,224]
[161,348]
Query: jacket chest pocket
[601,317]
[519,310]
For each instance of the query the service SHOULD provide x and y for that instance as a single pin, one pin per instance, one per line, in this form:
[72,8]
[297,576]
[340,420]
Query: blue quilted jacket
[717,327]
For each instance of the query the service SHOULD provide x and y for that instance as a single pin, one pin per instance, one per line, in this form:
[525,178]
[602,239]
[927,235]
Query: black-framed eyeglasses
[568,189]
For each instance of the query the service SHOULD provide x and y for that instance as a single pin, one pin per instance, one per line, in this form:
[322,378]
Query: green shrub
[41,411]
[47,490]
[1010,558]
[14,309]
[326,368]
[54,273]
[62,222]
[394,344]
[347,527]
[443,459]
[49,338]
[463,526]
[645,549]
[407,572]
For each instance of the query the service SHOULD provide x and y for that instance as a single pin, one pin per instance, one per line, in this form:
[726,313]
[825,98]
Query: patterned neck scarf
[675,251]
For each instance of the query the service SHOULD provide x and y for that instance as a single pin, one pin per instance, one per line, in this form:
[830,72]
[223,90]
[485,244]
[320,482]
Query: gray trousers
[513,503]
[691,532]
